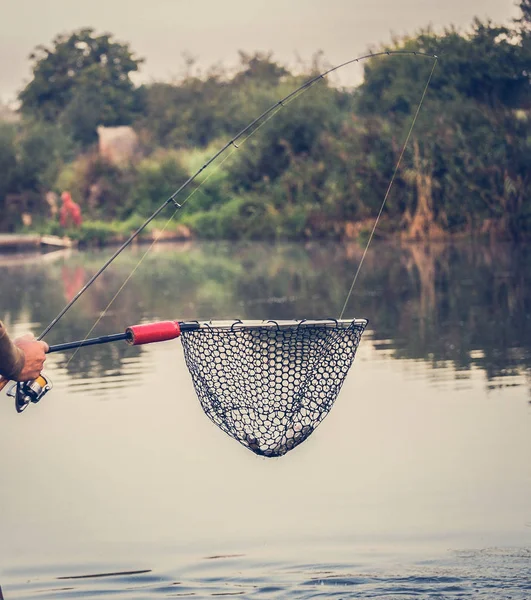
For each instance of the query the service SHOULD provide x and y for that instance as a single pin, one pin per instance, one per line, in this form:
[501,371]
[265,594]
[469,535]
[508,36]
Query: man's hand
[35,355]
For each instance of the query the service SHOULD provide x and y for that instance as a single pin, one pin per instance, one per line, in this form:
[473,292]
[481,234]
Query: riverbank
[96,234]
[30,242]
[92,234]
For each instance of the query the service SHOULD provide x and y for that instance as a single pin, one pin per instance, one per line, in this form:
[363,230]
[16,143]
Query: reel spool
[25,392]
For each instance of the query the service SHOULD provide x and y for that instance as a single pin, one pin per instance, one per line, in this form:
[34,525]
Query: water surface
[417,485]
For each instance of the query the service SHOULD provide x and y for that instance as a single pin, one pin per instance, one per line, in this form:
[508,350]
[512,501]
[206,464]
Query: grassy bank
[94,233]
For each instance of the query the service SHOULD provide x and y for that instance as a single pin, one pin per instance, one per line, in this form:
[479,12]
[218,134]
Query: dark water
[417,485]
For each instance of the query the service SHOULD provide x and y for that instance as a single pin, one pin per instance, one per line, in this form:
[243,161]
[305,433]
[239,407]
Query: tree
[191,113]
[82,81]
[294,131]
[42,149]
[203,107]
[259,67]
[8,164]
[484,65]
[463,166]
[525,19]
[31,155]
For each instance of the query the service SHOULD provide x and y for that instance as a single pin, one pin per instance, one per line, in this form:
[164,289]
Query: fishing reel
[25,392]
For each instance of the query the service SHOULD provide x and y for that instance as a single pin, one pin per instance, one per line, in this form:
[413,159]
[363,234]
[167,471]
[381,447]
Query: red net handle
[152,332]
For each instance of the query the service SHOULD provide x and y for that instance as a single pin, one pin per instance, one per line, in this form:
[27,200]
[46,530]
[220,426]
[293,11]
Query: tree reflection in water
[467,304]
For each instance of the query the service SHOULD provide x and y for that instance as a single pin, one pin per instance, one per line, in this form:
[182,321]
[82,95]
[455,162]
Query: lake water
[417,484]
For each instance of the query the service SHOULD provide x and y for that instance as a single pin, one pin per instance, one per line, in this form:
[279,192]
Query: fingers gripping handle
[148,333]
[135,335]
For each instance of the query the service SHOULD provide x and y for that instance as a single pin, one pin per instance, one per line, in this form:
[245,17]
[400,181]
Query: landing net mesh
[270,385]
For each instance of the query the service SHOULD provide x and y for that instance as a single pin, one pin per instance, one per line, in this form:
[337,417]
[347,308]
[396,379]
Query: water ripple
[484,574]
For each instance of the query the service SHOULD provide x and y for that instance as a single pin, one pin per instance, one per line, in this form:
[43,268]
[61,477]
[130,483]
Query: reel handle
[26,392]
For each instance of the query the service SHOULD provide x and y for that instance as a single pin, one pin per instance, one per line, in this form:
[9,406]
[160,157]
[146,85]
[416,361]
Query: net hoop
[272,323]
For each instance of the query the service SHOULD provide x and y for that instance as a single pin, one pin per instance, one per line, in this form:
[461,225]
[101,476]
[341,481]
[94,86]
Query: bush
[156,179]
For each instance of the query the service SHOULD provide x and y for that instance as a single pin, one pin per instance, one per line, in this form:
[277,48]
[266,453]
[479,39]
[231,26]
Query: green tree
[525,17]
[204,107]
[464,166]
[188,114]
[8,159]
[42,149]
[294,131]
[8,168]
[260,68]
[31,156]
[82,81]
[156,179]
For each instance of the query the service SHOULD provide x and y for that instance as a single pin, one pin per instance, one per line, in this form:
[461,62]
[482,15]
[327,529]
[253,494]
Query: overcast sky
[213,31]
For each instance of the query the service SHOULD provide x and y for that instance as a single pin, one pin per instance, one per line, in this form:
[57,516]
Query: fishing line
[133,271]
[179,206]
[159,235]
[389,187]
[260,120]
[267,384]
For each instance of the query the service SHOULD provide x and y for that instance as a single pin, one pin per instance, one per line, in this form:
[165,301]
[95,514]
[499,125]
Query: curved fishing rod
[28,392]
[232,142]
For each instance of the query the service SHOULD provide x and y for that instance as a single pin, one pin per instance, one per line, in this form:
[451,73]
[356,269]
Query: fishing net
[270,384]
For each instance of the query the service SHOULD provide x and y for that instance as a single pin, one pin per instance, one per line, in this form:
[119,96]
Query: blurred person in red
[70,213]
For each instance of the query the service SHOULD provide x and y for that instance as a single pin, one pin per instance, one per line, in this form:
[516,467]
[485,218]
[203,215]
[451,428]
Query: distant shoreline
[33,243]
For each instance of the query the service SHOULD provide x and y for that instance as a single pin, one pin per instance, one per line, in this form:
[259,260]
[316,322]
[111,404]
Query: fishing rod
[149,333]
[135,335]
[231,143]
[24,390]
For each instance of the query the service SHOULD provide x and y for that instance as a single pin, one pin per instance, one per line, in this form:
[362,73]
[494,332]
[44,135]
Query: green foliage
[470,142]
[358,165]
[31,156]
[199,109]
[318,166]
[42,150]
[81,82]
[156,179]
[251,217]
[237,218]
[8,160]
[484,65]
[103,187]
[294,131]
[182,115]
[525,17]
[260,68]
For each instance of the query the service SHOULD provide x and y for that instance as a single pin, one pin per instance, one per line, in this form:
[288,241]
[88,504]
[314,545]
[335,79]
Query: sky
[213,31]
